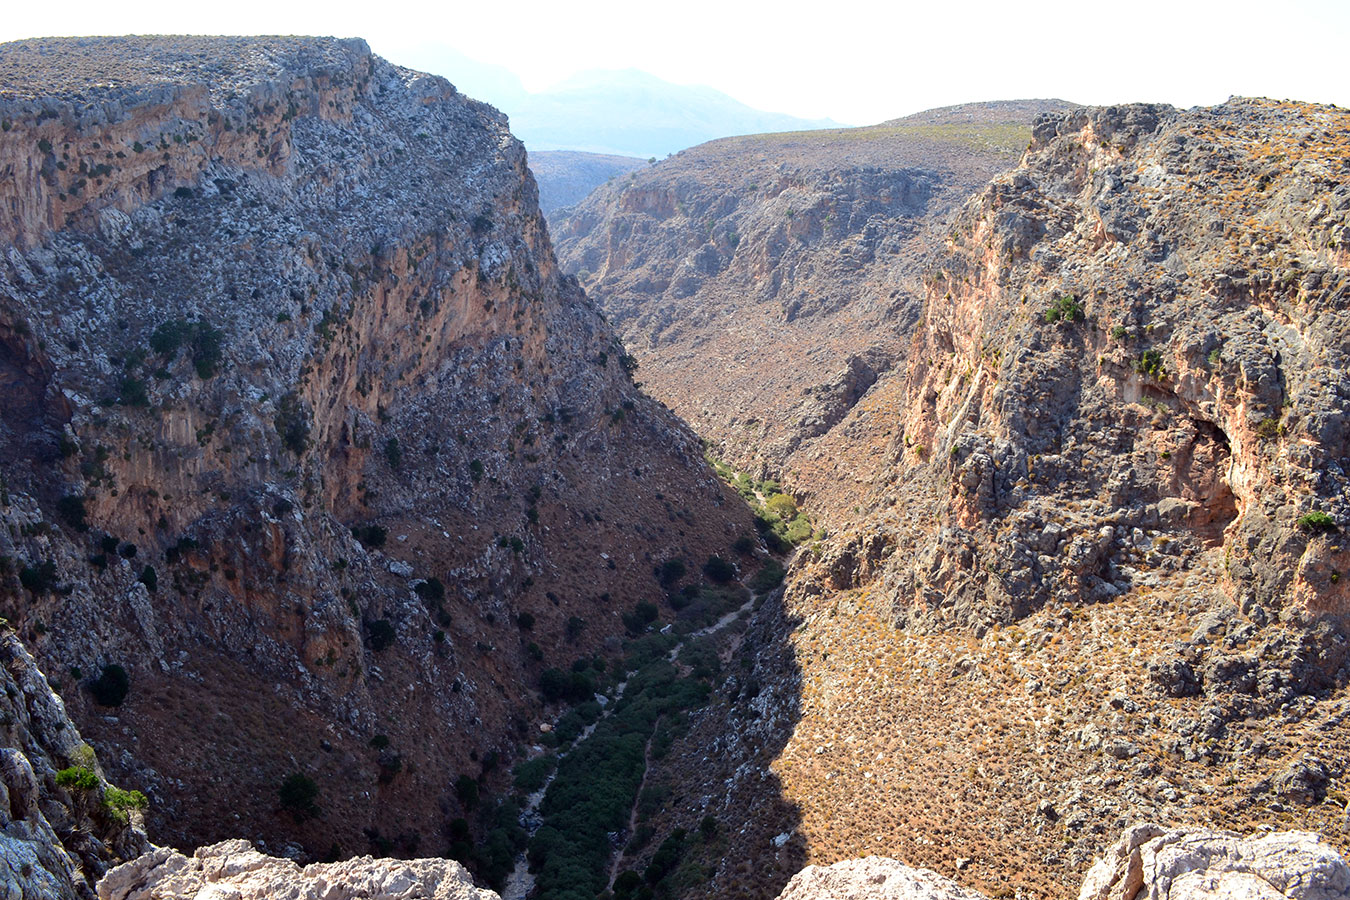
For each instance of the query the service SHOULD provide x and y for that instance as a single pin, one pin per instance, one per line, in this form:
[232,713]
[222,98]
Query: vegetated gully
[521,881]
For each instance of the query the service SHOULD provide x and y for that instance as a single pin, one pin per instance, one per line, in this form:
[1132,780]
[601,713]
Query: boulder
[873,878]
[1152,863]
[234,870]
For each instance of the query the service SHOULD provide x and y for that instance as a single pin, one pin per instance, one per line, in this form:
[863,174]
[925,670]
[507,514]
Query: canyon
[339,526]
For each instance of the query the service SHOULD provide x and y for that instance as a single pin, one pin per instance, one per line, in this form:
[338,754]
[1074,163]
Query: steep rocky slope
[61,824]
[565,177]
[312,461]
[1098,575]
[764,283]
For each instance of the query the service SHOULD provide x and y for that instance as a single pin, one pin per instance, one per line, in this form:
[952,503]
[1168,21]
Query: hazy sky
[857,62]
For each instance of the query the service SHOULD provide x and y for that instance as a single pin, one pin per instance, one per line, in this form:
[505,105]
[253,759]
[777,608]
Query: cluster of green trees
[777,518]
[597,783]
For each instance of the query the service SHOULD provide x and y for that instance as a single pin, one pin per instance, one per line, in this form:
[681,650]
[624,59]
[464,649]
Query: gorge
[338,525]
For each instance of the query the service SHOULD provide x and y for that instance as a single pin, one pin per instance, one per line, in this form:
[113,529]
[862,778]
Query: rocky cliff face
[1101,577]
[305,433]
[61,824]
[1095,575]
[766,283]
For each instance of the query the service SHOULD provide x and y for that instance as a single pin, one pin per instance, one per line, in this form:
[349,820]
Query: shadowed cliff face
[316,438]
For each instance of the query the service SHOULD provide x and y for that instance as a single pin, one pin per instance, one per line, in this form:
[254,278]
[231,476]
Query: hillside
[305,433]
[1099,575]
[633,113]
[565,177]
[764,283]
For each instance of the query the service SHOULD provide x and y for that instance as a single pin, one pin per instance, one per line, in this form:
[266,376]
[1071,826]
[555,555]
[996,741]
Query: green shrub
[133,392]
[466,789]
[476,470]
[299,795]
[666,858]
[768,577]
[643,614]
[525,621]
[719,570]
[782,506]
[1317,522]
[1269,429]
[671,571]
[1120,334]
[202,340]
[119,803]
[531,775]
[575,626]
[432,590]
[393,453]
[382,634]
[39,578]
[111,687]
[371,536]
[71,509]
[292,424]
[1150,363]
[1064,309]
[77,778]
[149,578]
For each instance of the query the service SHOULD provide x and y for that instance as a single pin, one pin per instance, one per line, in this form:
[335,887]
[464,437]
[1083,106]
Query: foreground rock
[873,878]
[1148,862]
[58,832]
[233,870]
[1152,862]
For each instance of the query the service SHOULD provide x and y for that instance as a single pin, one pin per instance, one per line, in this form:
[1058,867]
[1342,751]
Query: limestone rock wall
[306,432]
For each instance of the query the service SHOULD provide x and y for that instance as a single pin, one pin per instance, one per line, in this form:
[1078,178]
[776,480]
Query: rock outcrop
[1155,863]
[61,824]
[1148,863]
[873,878]
[306,435]
[234,870]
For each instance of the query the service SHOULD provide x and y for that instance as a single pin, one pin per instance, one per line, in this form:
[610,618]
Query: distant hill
[633,113]
[617,112]
[565,177]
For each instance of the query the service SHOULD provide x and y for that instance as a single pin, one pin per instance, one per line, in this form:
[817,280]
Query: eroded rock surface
[1153,863]
[56,837]
[1148,863]
[234,870]
[303,429]
[873,878]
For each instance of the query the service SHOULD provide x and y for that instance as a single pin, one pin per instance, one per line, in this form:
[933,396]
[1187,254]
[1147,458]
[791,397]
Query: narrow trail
[520,882]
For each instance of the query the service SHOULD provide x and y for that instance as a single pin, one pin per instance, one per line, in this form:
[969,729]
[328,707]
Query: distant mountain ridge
[623,112]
